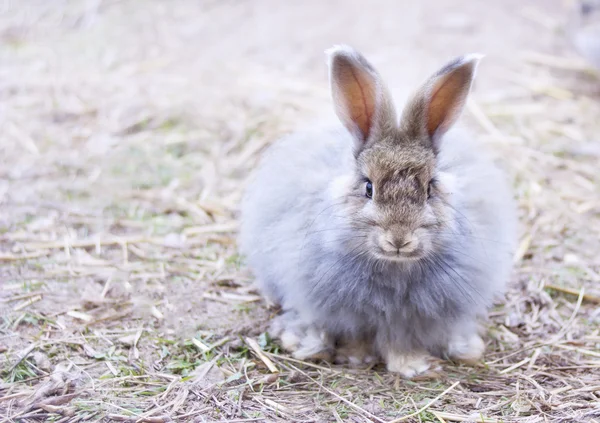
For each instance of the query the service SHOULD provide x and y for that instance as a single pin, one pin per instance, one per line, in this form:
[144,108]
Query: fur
[321,249]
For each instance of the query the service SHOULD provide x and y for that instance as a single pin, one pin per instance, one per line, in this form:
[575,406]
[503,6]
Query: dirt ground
[128,129]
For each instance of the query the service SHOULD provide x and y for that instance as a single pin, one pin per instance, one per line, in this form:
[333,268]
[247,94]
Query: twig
[21,297]
[523,248]
[579,350]
[426,406]
[256,348]
[193,413]
[211,229]
[230,298]
[557,62]
[27,303]
[220,342]
[304,363]
[515,366]
[65,411]
[13,396]
[56,401]
[23,356]
[122,418]
[87,243]
[586,297]
[460,418]
[273,405]
[12,257]
[202,347]
[206,348]
[350,403]
[338,419]
[79,315]
[569,323]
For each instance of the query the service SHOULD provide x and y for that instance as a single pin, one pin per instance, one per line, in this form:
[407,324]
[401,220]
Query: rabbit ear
[360,98]
[440,102]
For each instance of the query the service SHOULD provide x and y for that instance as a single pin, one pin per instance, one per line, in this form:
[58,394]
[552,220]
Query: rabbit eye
[369,189]
[429,189]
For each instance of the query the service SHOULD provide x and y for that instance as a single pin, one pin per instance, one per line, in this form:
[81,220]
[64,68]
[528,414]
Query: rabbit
[386,239]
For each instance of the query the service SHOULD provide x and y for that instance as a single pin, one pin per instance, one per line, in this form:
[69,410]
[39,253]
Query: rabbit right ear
[360,98]
[439,103]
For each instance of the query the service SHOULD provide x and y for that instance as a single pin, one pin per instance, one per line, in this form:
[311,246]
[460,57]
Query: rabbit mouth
[391,247]
[413,255]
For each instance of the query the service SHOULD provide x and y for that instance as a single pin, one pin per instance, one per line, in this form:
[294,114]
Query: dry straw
[121,293]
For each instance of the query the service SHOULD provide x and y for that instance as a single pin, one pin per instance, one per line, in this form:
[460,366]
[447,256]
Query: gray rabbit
[381,239]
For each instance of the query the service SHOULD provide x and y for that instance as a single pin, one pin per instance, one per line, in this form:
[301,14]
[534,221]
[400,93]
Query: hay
[124,150]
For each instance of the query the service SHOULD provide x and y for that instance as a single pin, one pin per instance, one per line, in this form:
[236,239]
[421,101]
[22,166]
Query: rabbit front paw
[305,342]
[356,354]
[466,348]
[313,345]
[407,365]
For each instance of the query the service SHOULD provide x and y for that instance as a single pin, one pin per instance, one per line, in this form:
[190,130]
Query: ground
[128,131]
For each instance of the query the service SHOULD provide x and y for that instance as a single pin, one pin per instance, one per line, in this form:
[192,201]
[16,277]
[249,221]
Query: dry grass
[123,151]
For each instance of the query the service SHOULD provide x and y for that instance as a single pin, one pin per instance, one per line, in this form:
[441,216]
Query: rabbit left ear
[440,102]
[360,98]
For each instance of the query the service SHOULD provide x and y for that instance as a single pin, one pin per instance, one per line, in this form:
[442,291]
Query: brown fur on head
[397,198]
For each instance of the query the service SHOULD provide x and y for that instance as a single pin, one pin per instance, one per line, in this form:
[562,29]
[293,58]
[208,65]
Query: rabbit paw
[466,348]
[407,365]
[355,355]
[313,346]
[303,341]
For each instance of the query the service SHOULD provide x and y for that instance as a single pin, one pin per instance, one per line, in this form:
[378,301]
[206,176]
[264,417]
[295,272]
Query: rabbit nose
[401,243]
[398,243]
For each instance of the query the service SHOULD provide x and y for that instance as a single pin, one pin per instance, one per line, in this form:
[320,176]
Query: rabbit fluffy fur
[382,238]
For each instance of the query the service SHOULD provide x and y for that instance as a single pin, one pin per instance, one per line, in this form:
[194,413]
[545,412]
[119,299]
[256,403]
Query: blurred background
[128,128]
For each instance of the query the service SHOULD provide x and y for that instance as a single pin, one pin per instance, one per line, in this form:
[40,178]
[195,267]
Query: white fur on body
[294,236]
